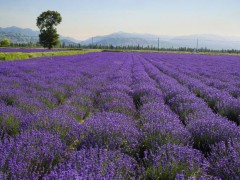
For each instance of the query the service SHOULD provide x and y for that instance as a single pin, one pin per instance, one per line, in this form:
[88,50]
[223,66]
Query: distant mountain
[26,35]
[191,41]
[19,35]
[125,39]
[210,41]
[17,30]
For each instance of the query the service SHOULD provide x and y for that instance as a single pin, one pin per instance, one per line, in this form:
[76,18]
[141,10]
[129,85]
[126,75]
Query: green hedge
[20,55]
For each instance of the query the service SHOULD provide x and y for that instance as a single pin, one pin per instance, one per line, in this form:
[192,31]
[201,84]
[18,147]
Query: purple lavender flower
[12,121]
[171,160]
[95,163]
[225,159]
[57,122]
[110,131]
[158,134]
[31,155]
[78,113]
[207,132]
[206,177]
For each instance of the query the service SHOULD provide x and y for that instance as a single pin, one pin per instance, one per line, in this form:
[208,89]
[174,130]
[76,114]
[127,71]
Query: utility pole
[197,46]
[158,45]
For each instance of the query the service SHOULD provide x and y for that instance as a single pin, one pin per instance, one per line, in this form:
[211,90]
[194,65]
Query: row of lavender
[225,76]
[222,101]
[214,135]
[109,116]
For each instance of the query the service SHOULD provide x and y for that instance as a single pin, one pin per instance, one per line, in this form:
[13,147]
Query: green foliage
[5,42]
[163,173]
[20,55]
[13,56]
[9,125]
[58,44]
[48,19]
[48,36]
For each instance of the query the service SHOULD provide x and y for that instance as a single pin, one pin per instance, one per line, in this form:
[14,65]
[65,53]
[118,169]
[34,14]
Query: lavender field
[120,116]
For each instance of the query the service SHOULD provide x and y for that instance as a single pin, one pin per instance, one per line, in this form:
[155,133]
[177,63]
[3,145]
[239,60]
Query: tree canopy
[46,22]
[5,42]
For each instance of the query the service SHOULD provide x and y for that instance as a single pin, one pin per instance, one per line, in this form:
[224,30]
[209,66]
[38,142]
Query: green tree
[5,42]
[46,22]
[58,45]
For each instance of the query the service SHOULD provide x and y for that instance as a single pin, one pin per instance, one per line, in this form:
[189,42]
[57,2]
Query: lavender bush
[95,163]
[111,131]
[225,159]
[31,155]
[12,121]
[171,160]
[208,132]
[57,122]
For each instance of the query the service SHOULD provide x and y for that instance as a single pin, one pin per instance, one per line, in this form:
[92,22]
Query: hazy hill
[26,35]
[191,41]
[20,35]
[17,30]
[125,39]
[210,41]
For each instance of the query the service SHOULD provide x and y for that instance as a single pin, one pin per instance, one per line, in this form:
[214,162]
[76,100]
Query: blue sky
[86,18]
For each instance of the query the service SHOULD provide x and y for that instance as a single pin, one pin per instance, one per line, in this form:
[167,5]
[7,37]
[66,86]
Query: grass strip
[9,56]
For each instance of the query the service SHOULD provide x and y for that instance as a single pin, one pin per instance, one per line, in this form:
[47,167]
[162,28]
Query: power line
[197,44]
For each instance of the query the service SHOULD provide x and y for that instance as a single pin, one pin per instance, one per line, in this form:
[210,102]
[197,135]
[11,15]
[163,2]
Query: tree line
[117,48]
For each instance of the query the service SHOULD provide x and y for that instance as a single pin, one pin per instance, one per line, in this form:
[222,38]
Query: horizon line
[136,33]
